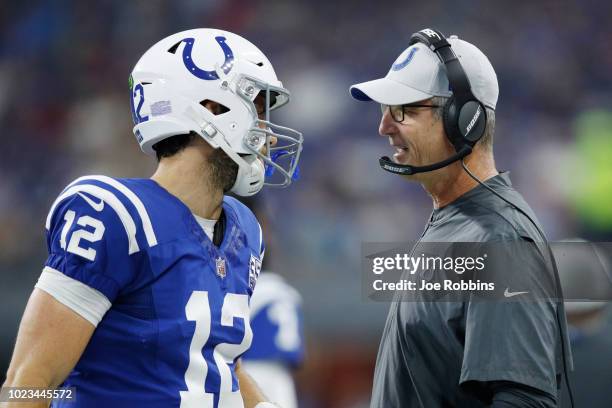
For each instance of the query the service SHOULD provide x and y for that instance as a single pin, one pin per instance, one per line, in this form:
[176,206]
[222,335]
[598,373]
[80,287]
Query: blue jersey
[179,305]
[276,319]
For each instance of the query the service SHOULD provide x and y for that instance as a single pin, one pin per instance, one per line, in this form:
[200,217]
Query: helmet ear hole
[214,107]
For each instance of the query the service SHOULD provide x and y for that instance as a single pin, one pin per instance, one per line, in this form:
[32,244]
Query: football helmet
[176,77]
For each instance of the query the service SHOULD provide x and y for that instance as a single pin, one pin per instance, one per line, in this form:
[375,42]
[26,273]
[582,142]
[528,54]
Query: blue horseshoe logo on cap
[199,72]
[399,65]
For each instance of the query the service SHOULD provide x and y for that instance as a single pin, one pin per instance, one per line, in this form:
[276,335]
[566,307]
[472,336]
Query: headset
[464,119]
[464,116]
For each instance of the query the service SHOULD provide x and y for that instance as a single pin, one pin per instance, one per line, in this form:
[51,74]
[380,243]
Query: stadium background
[64,112]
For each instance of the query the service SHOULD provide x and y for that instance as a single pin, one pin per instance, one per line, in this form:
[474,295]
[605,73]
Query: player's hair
[486,141]
[172,145]
[223,170]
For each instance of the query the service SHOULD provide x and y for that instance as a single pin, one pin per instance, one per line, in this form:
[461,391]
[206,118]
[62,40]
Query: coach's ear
[50,341]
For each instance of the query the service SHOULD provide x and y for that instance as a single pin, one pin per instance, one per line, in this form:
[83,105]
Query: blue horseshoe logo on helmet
[197,71]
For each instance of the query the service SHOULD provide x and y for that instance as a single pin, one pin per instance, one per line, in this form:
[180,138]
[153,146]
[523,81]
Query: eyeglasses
[398,111]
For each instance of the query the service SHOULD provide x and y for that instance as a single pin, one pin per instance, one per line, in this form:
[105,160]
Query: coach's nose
[387,125]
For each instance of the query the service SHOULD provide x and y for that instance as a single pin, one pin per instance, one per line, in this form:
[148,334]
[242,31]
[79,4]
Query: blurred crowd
[64,110]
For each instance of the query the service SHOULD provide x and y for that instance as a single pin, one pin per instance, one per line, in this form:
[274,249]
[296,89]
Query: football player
[278,345]
[144,298]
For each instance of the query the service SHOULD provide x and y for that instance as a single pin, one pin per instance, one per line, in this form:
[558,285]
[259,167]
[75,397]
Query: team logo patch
[254,271]
[161,108]
[400,64]
[220,263]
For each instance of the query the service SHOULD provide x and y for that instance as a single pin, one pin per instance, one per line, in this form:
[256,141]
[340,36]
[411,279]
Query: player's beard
[223,170]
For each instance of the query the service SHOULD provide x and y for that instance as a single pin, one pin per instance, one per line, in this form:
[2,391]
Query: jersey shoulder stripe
[133,198]
[107,197]
[95,186]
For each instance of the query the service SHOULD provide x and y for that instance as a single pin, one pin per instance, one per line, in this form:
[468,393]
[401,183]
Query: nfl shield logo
[220,267]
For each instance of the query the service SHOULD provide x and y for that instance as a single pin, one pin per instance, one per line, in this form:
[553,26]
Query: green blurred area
[591,190]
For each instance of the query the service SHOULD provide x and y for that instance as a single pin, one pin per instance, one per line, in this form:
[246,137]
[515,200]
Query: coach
[438,113]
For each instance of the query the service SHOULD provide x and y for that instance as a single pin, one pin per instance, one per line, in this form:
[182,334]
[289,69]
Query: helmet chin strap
[407,169]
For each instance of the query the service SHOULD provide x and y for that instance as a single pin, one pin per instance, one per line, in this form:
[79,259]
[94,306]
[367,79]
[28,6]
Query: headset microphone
[406,169]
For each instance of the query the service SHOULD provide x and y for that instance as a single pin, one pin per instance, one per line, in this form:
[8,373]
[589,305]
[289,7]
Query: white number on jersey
[198,310]
[78,235]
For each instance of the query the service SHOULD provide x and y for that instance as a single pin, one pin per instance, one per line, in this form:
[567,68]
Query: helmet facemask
[280,160]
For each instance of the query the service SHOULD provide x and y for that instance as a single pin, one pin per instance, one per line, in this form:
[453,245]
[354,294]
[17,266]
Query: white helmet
[174,77]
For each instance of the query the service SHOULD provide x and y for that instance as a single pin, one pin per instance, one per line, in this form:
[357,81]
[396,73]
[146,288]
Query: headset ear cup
[449,120]
[471,122]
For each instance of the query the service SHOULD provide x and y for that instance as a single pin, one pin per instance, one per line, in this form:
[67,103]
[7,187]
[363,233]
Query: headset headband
[458,80]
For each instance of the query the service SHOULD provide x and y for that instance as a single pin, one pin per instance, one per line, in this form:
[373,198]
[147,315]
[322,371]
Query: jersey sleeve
[514,337]
[90,240]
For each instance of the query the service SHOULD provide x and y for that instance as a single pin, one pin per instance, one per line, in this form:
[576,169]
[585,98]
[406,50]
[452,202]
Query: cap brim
[387,92]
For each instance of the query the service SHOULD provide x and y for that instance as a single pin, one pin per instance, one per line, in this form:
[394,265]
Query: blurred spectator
[587,286]
[278,339]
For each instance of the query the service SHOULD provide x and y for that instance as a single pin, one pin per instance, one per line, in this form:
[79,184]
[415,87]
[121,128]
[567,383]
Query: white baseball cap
[418,74]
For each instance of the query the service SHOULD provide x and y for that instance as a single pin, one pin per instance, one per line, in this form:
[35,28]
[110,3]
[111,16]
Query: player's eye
[260,105]
[260,102]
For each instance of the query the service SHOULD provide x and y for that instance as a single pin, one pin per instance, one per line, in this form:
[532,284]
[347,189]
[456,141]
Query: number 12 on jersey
[224,354]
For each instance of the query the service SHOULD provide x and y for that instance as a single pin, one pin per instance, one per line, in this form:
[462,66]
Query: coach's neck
[451,182]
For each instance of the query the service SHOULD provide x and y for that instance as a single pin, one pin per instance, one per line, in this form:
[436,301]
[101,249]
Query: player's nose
[273,141]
